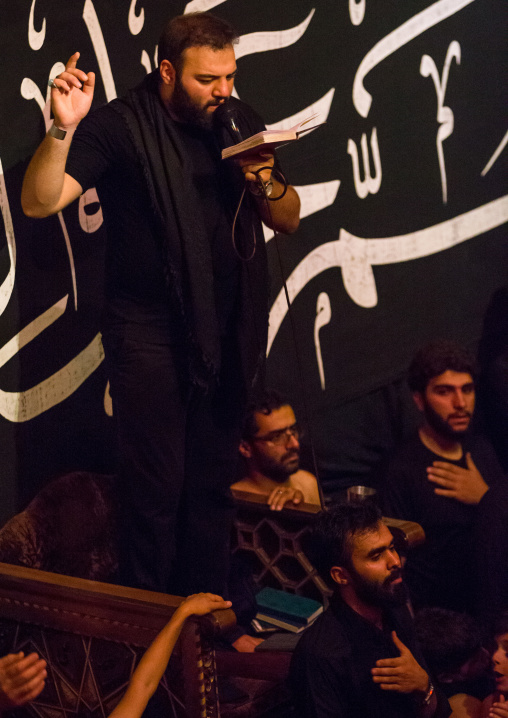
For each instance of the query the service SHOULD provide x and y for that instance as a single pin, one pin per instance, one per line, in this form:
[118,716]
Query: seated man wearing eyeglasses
[270,447]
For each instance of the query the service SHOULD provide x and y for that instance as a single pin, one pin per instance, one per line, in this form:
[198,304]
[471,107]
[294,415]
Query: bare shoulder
[307,483]
[465,706]
[247,484]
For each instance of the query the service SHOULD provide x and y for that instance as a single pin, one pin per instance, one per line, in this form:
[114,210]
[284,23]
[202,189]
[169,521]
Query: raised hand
[71,94]
[455,482]
[403,674]
[499,709]
[280,497]
[21,679]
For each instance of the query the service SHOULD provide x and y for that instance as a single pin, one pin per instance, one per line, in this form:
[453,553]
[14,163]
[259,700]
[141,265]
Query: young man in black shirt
[360,658]
[185,319]
[440,478]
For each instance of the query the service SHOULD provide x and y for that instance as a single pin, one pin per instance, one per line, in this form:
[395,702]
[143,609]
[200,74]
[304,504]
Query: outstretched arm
[151,667]
[47,189]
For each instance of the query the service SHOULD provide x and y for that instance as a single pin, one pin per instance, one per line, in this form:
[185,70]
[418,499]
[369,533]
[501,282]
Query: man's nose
[221,88]
[292,442]
[393,559]
[459,399]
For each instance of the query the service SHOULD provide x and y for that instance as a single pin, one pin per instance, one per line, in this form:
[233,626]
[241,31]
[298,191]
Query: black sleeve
[487,463]
[99,142]
[491,554]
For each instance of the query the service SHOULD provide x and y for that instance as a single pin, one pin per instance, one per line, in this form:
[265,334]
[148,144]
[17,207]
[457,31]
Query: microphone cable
[276,234]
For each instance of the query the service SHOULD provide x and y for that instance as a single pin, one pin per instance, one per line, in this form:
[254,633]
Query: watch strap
[257,191]
[56,132]
[428,695]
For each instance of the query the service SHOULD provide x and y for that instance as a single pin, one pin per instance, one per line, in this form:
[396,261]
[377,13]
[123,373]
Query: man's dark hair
[448,639]
[334,531]
[200,29]
[501,624]
[434,359]
[267,402]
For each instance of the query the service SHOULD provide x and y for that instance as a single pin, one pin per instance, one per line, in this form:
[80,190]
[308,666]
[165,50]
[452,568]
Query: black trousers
[177,454]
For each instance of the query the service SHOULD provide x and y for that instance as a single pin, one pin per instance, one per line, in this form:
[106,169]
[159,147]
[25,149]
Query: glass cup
[357,494]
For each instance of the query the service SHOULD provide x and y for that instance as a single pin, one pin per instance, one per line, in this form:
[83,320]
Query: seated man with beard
[271,449]
[360,657]
[440,479]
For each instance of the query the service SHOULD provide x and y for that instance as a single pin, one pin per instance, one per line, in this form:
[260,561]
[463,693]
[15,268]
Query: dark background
[364,407]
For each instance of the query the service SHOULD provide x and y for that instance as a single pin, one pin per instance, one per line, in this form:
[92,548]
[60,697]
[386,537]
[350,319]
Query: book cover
[268,139]
[286,623]
[283,605]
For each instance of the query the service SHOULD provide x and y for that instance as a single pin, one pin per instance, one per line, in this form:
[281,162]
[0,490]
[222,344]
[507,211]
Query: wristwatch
[56,132]
[428,695]
[256,190]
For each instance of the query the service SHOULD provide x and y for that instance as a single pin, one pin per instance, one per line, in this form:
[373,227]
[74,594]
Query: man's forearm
[44,179]
[283,215]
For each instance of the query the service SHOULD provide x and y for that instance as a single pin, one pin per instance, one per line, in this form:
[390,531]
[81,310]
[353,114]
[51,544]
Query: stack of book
[286,610]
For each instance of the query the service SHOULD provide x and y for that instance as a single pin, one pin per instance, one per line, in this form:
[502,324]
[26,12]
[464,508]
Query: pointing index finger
[72,61]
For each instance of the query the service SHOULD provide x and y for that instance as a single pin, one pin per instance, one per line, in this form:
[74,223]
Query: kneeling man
[360,658]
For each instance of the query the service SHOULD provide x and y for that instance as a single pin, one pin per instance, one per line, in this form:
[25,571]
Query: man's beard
[277,470]
[186,109]
[442,427]
[380,594]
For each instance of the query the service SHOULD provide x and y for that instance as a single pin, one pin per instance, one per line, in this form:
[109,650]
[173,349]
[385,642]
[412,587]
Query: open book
[269,139]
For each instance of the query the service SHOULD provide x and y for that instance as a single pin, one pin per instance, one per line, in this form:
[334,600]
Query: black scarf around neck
[186,254]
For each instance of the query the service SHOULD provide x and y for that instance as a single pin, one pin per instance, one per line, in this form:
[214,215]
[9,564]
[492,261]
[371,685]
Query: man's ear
[340,575]
[419,400]
[167,72]
[245,449]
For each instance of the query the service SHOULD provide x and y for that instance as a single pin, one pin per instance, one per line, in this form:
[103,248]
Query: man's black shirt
[102,154]
[331,667]
[441,571]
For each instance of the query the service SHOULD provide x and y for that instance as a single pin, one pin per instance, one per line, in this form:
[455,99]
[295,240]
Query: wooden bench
[92,634]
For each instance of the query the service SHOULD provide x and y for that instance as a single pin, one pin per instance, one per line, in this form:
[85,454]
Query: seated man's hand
[279,497]
[246,643]
[21,679]
[464,485]
[403,674]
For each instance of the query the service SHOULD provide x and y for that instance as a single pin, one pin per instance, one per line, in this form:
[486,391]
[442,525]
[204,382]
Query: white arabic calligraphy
[323,316]
[444,114]
[369,184]
[421,22]
[356,256]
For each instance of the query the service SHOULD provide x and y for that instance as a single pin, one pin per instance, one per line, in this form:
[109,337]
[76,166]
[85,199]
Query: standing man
[440,479]
[185,319]
[360,657]
[270,448]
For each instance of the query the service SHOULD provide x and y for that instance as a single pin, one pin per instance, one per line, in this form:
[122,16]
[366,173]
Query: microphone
[226,126]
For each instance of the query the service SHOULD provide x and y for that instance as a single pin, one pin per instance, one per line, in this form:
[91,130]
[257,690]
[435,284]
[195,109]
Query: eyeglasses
[281,436]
